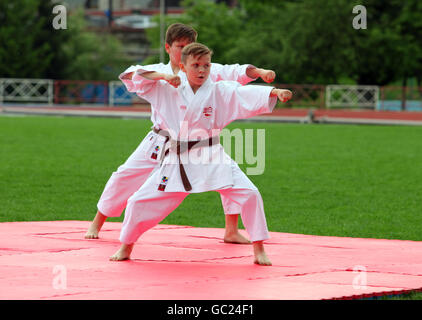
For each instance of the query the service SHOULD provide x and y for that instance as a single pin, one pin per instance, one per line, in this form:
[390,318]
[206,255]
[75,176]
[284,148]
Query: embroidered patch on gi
[207,112]
[163,183]
[154,154]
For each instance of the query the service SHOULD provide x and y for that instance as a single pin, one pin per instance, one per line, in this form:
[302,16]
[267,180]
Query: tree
[218,27]
[24,49]
[31,48]
[313,41]
[410,28]
[304,42]
[318,45]
[90,56]
[377,48]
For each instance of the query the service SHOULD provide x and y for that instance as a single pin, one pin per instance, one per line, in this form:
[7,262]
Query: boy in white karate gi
[194,111]
[133,173]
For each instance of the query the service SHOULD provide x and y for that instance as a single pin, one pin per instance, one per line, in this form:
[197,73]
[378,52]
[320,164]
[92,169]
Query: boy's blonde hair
[195,49]
[179,31]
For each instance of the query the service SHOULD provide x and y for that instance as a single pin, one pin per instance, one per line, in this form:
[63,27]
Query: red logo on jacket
[207,112]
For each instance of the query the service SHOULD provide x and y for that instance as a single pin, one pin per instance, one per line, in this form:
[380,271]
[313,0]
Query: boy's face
[197,69]
[175,49]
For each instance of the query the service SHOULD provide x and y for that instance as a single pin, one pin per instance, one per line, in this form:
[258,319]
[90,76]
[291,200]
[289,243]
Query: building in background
[127,20]
[128,5]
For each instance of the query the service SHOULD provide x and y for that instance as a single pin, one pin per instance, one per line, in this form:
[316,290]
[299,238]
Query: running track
[278,115]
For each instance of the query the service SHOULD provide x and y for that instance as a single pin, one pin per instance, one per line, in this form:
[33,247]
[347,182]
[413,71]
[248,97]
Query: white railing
[47,91]
[26,90]
[348,96]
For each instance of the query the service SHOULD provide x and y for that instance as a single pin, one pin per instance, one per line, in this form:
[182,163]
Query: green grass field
[355,181]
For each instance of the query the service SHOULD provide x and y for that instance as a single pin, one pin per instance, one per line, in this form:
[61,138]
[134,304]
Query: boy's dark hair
[179,31]
[195,49]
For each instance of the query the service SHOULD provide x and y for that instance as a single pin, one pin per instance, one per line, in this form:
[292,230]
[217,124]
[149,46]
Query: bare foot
[260,255]
[95,226]
[262,260]
[235,238]
[232,234]
[92,232]
[123,253]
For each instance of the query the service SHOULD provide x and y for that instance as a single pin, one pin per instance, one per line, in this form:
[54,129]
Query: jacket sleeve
[136,83]
[231,72]
[242,102]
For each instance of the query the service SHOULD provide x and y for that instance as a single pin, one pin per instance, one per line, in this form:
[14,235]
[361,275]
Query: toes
[263,261]
[91,236]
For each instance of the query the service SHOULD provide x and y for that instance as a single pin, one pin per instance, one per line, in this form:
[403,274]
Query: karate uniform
[187,117]
[130,176]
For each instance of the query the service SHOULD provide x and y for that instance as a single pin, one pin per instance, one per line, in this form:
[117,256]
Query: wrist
[259,72]
[253,72]
[274,92]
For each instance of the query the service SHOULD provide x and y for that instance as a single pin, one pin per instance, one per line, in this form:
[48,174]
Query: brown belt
[183,146]
[163,133]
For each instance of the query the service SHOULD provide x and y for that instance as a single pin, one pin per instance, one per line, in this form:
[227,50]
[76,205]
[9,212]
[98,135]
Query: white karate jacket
[188,116]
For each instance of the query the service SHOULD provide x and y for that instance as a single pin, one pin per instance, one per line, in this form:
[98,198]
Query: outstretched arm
[243,102]
[172,79]
[135,82]
[242,74]
[143,80]
[267,75]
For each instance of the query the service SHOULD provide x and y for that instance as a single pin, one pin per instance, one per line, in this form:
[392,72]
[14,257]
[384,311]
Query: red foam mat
[52,260]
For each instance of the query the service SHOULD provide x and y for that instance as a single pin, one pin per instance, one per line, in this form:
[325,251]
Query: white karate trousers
[149,206]
[130,176]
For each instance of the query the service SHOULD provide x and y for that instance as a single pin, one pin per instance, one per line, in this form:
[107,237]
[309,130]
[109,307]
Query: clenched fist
[267,75]
[283,95]
[174,80]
